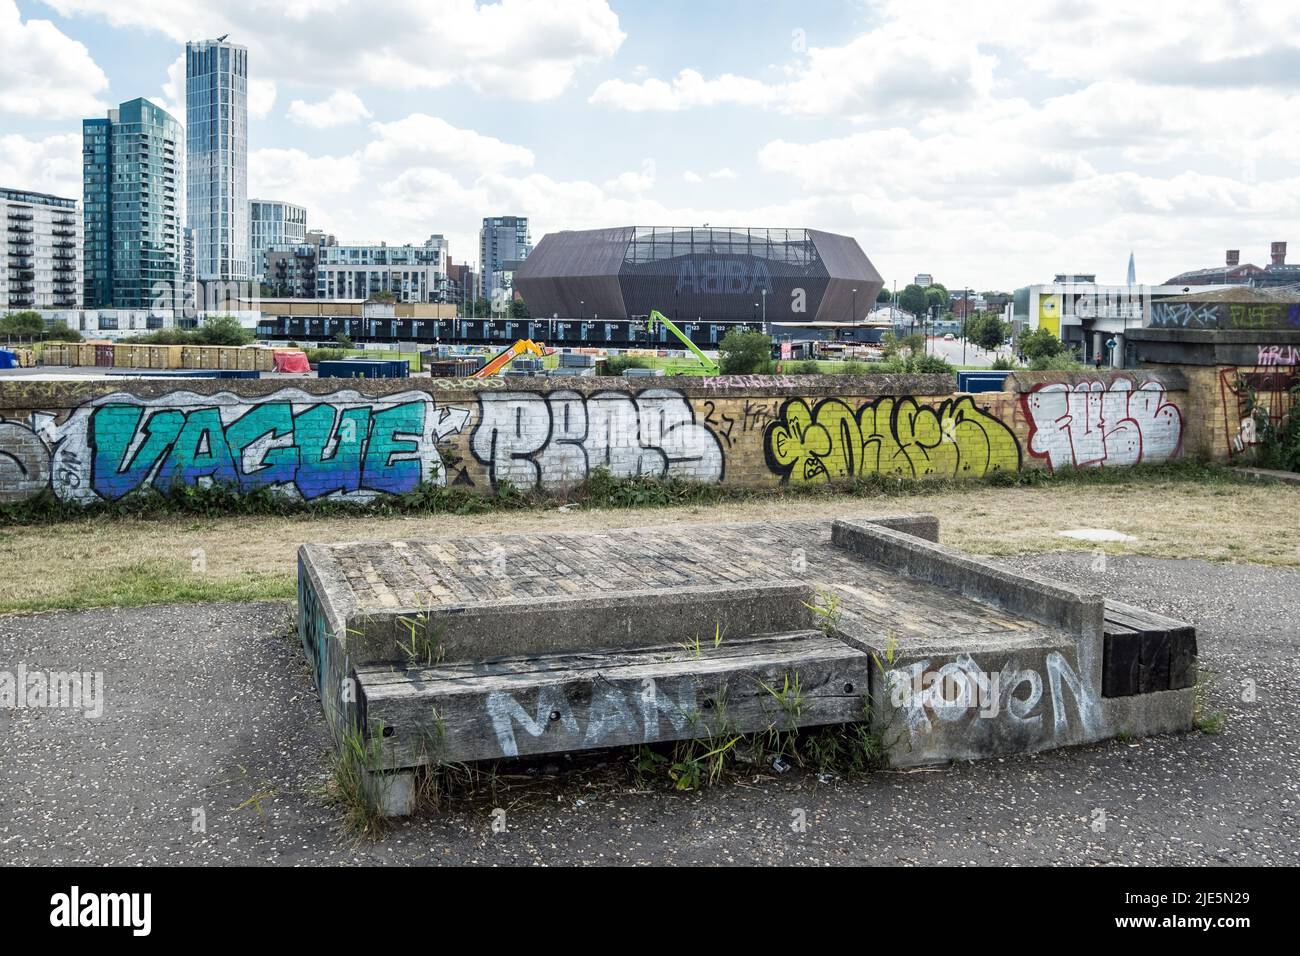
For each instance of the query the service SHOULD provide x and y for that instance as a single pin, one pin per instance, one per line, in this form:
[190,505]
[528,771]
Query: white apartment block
[409,273]
[42,243]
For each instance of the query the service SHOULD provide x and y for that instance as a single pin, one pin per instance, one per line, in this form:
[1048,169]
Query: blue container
[981,381]
[363,368]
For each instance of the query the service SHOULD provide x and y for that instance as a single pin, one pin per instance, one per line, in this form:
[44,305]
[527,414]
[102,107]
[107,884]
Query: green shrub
[745,353]
[618,364]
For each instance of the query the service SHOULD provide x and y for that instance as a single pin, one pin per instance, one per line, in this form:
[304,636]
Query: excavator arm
[658,318]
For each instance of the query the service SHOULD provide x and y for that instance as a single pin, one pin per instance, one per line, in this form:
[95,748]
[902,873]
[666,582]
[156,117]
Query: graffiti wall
[343,445]
[1120,420]
[834,439]
[101,442]
[1225,315]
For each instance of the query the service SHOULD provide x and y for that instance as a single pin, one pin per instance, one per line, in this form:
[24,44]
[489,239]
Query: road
[211,718]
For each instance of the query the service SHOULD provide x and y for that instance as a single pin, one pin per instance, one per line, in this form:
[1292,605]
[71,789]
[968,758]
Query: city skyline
[955,145]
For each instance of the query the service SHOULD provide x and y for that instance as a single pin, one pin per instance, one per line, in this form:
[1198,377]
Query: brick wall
[94,440]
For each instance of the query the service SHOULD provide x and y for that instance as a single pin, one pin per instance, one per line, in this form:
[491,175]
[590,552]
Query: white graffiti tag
[552,440]
[1094,423]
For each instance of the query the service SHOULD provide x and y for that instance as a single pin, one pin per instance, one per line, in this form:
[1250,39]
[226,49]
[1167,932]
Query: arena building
[699,274]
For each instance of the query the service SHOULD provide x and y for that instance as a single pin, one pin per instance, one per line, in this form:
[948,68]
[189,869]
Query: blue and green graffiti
[344,445]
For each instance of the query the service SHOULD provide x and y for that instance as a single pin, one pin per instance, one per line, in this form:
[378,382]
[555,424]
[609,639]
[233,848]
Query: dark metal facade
[706,274]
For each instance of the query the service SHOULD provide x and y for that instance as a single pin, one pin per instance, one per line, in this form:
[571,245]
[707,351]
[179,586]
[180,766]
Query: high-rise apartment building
[42,244]
[502,239]
[273,223]
[216,126]
[134,240]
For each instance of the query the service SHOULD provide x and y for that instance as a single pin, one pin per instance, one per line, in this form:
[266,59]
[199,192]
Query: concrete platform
[446,649]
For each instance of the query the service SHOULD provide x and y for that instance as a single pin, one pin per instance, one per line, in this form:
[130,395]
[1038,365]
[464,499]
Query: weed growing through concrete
[355,787]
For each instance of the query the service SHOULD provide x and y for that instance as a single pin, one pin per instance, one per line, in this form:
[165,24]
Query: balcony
[20,215]
[21,228]
[65,233]
[21,240]
[64,267]
[22,287]
[66,302]
[65,257]
[21,275]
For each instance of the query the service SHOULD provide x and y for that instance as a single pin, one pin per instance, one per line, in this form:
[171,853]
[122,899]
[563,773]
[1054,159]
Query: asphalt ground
[211,749]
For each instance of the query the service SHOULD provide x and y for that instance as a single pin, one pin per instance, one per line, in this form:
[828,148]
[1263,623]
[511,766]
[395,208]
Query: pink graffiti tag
[1278,355]
[1093,424]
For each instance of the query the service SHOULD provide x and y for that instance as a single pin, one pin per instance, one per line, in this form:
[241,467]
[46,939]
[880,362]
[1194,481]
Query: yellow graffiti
[888,437]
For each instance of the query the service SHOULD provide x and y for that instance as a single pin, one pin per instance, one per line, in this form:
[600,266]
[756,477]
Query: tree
[942,290]
[986,330]
[61,332]
[22,323]
[743,353]
[223,330]
[383,295]
[936,296]
[1040,344]
[344,340]
[883,295]
[912,300]
[518,310]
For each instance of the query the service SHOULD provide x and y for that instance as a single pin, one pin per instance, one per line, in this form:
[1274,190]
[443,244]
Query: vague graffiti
[1184,315]
[889,436]
[341,446]
[1254,395]
[960,691]
[1094,423]
[557,439]
[1279,355]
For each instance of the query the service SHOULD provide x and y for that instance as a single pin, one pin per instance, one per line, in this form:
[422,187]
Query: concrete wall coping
[1078,611]
[1171,380]
[27,393]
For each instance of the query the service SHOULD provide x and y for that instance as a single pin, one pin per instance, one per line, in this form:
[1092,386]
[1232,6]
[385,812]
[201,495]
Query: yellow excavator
[522,347]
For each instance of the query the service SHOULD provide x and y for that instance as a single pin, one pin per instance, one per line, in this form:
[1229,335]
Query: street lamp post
[854,317]
[765,310]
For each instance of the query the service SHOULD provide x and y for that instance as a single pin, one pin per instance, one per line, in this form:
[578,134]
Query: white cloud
[522,49]
[44,73]
[687,90]
[420,138]
[261,97]
[324,184]
[338,109]
[50,165]
[892,70]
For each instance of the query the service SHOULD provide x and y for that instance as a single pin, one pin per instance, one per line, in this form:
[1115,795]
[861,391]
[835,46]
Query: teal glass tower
[132,167]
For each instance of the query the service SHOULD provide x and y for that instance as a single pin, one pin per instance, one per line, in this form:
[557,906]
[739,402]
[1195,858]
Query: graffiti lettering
[1279,355]
[344,446]
[960,691]
[1184,315]
[555,440]
[1093,424]
[616,713]
[890,437]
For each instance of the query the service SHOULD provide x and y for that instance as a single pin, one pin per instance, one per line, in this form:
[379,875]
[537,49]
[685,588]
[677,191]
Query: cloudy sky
[992,143]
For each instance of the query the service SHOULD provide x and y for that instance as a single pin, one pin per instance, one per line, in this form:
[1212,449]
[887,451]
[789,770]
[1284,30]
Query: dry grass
[129,562]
